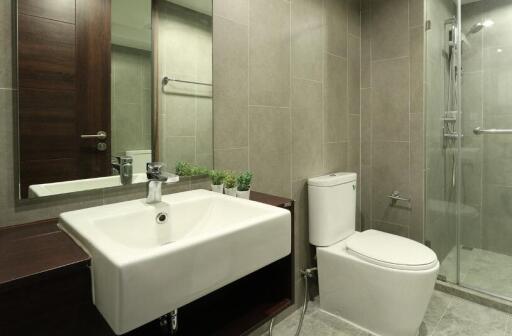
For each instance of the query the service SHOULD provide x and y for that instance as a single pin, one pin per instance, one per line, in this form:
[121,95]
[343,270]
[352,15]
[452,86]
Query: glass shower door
[485,208]
[441,121]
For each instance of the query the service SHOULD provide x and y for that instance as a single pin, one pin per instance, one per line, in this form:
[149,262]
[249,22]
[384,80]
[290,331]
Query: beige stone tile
[236,159]
[230,72]
[390,171]
[354,75]
[366,127]
[399,230]
[416,69]
[354,17]
[179,149]
[270,148]
[416,13]
[306,128]
[269,53]
[6,44]
[204,160]
[336,25]
[354,144]
[307,39]
[390,36]
[204,126]
[235,10]
[335,101]
[366,50]
[390,99]
[335,157]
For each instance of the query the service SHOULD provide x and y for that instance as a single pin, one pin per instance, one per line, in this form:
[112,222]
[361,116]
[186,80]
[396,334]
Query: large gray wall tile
[270,149]
[354,75]
[5,44]
[336,25]
[307,39]
[235,10]
[390,33]
[230,73]
[390,99]
[269,53]
[236,159]
[335,101]
[307,136]
[390,171]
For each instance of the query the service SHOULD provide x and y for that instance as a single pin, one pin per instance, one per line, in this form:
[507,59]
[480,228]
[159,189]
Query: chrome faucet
[156,176]
[124,166]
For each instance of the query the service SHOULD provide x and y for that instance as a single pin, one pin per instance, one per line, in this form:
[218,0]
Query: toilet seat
[391,251]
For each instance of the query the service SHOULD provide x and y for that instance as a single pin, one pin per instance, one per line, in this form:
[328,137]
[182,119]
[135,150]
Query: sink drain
[162,217]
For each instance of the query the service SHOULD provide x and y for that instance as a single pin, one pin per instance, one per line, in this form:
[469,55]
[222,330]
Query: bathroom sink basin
[57,188]
[148,259]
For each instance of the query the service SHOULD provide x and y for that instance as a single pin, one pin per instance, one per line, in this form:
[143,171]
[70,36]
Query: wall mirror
[107,85]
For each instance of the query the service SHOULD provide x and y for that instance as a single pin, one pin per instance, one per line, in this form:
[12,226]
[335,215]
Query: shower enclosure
[468,110]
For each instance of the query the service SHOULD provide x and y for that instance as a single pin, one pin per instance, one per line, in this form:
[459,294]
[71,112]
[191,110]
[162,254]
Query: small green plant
[183,168]
[229,180]
[244,181]
[217,177]
[198,171]
[187,169]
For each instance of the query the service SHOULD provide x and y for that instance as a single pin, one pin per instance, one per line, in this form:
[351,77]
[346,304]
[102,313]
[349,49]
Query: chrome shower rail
[166,81]
[479,131]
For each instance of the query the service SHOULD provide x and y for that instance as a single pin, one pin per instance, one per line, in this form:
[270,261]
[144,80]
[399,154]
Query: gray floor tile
[446,316]
[468,319]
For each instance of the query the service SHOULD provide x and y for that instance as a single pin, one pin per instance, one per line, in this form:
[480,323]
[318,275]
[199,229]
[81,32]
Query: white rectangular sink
[143,269]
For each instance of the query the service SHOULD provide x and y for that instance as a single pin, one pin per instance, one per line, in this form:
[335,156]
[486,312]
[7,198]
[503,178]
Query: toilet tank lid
[332,179]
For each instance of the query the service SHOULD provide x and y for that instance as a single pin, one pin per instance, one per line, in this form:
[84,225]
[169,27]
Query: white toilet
[377,281]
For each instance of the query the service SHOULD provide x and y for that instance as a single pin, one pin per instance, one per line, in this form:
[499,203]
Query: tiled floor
[481,269]
[446,316]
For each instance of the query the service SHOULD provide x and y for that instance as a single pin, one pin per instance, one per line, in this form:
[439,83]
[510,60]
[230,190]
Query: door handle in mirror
[101,135]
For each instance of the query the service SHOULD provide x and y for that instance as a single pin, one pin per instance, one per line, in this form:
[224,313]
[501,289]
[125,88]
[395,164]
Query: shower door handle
[479,131]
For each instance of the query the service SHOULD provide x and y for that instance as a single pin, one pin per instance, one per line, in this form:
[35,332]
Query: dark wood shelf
[36,250]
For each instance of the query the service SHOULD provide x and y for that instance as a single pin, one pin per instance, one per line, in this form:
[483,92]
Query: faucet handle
[154,167]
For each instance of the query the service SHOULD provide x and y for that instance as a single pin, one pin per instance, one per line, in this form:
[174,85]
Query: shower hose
[306,274]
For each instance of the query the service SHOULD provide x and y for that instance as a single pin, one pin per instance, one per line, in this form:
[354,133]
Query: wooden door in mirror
[64,90]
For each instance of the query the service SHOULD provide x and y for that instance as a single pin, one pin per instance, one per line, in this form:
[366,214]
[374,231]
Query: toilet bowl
[375,280]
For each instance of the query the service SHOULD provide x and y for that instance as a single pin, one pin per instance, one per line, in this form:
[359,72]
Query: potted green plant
[217,178]
[243,189]
[183,168]
[230,184]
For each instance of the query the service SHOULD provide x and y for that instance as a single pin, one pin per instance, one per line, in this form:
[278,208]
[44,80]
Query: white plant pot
[230,191]
[219,188]
[243,194]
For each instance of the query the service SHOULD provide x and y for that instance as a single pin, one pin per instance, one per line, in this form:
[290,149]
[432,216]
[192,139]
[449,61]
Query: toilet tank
[332,208]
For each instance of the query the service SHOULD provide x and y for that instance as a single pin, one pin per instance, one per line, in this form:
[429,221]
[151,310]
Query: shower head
[479,26]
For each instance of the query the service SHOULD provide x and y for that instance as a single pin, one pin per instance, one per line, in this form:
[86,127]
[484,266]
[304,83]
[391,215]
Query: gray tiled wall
[392,144]
[287,95]
[185,110]
[131,99]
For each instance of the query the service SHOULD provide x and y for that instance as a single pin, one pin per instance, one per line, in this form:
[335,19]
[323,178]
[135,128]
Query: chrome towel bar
[395,196]
[166,81]
[479,131]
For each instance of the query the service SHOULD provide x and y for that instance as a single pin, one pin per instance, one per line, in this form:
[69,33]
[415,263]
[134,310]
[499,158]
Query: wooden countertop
[39,249]
[36,250]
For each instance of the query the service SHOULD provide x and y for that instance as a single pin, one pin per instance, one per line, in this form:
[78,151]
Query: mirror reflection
[106,87]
